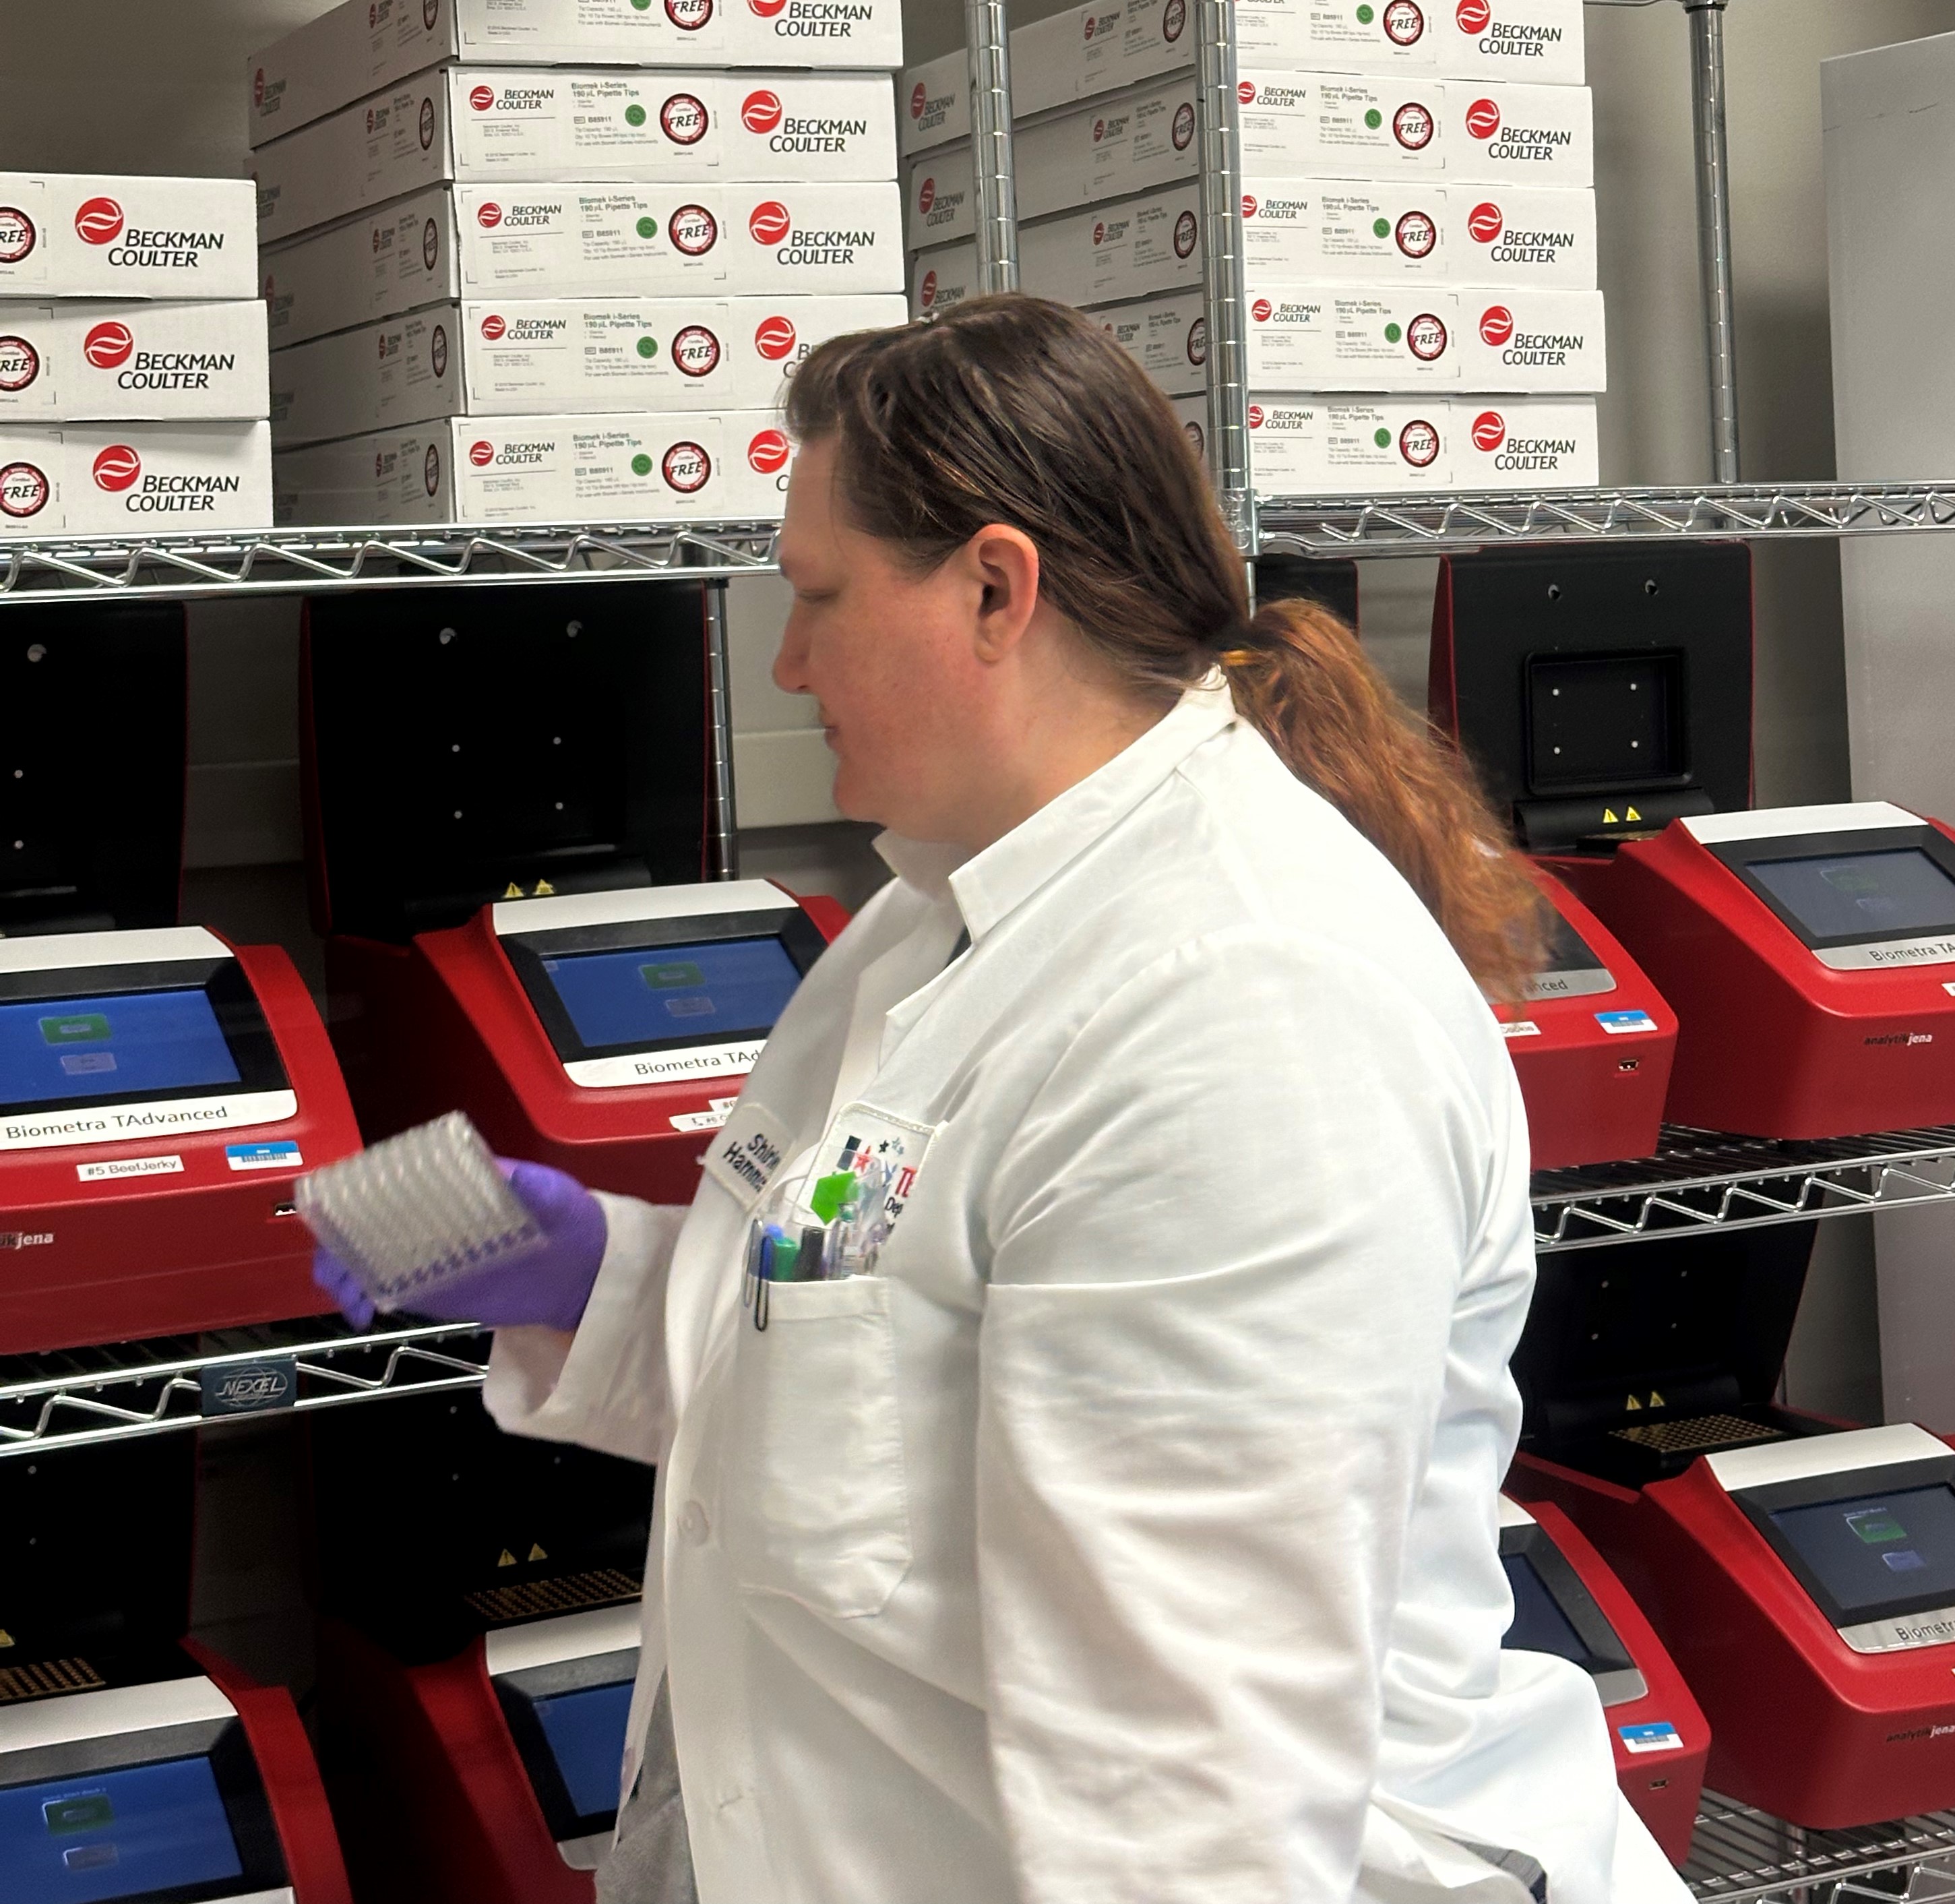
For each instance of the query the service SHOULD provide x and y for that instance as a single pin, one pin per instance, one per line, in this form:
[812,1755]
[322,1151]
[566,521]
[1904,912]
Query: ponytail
[1010,409]
[1336,722]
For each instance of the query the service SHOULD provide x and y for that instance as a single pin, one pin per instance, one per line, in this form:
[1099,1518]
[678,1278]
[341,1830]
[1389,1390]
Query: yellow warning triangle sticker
[1630,812]
[6,1637]
[512,890]
[1632,1403]
[536,1551]
[1609,818]
[506,1559]
[1657,1401]
[544,890]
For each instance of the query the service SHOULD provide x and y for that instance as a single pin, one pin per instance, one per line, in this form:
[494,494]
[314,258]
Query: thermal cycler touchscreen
[135,1831]
[56,1050]
[1539,1625]
[585,1732]
[1875,1549]
[729,988]
[1862,896]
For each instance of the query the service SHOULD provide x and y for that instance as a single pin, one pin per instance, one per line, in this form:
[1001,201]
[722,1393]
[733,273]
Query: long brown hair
[1012,409]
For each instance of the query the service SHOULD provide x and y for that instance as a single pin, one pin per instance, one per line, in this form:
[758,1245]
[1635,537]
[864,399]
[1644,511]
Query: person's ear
[1005,563]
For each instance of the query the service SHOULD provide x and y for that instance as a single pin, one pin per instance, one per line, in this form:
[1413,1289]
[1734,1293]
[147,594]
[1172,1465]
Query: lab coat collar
[991,884]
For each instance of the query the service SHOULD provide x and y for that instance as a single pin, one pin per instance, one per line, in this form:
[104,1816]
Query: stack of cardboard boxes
[549,260]
[132,357]
[1418,227]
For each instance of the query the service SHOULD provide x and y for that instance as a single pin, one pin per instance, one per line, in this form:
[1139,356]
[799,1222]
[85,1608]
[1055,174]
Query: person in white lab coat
[1126,1532]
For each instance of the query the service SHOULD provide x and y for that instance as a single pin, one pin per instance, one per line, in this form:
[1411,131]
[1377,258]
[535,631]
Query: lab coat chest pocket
[817,1506]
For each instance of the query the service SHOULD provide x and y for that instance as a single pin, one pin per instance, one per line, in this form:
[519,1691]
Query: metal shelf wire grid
[75,1397]
[1739,1854]
[1705,1180]
[1451,523]
[310,561]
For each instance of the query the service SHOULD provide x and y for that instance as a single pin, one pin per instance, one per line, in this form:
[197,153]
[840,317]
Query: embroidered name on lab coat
[743,1158]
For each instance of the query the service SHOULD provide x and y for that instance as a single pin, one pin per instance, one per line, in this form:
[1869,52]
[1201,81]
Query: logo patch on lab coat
[862,1138]
[743,1158]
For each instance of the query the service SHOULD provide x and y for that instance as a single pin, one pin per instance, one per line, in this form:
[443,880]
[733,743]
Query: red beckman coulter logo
[683,119]
[1099,130]
[99,221]
[1412,126]
[919,98]
[767,9]
[1255,416]
[1416,234]
[1246,91]
[775,337]
[1485,222]
[492,327]
[693,229]
[1262,310]
[1425,337]
[24,490]
[768,452]
[927,291]
[258,87]
[16,234]
[108,346]
[686,466]
[117,468]
[761,112]
[770,222]
[1248,205]
[1473,16]
[482,454]
[1418,443]
[1496,325]
[696,351]
[688,16]
[483,97]
[1490,430]
[1403,22]
[1100,231]
[926,196]
[1483,118]
[20,363]
[489,215]
[1186,231]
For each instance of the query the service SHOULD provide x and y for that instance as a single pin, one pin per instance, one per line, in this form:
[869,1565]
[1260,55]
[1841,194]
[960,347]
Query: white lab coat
[1129,1537]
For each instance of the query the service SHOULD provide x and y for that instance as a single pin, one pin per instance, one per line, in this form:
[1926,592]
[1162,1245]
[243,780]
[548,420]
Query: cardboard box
[88,234]
[934,103]
[672,241]
[1167,337]
[156,361]
[1520,235]
[364,45]
[1097,48]
[1538,41]
[1352,231]
[1139,247]
[1350,446]
[1386,338]
[531,124]
[1309,125]
[731,467]
[567,356]
[1525,135]
[383,376]
[1134,142]
[942,278]
[134,478]
[1531,340]
[1338,36]
[1525,443]
[404,254]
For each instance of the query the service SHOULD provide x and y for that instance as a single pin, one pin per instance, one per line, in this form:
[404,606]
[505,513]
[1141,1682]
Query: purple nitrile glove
[546,1287]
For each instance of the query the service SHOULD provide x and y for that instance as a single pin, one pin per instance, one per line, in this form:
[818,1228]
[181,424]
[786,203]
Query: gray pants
[651,1863]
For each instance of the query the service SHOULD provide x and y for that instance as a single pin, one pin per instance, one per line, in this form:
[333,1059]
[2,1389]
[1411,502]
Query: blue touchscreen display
[1863,895]
[115,1834]
[52,1050]
[1539,1625]
[735,988]
[1876,1549]
[586,1732]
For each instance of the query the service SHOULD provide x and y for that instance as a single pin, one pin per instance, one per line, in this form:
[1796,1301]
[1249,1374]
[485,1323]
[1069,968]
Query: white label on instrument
[1521,1028]
[666,1067]
[130,1167]
[126,1123]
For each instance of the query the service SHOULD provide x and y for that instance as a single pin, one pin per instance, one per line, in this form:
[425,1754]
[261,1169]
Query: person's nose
[791,661]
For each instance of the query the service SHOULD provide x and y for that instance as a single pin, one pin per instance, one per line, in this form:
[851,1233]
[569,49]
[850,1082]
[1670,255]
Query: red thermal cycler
[1810,954]
[159,1091]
